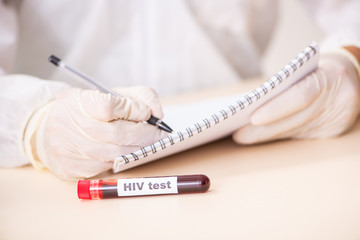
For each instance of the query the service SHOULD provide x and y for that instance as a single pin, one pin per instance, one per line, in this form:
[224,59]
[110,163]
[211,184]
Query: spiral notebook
[202,124]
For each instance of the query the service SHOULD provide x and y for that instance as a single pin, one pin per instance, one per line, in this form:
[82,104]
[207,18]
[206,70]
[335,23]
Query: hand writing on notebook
[323,104]
[81,132]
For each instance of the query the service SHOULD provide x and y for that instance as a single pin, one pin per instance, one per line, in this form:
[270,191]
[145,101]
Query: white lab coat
[172,46]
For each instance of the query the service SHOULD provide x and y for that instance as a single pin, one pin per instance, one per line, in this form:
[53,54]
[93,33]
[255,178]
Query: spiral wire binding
[223,114]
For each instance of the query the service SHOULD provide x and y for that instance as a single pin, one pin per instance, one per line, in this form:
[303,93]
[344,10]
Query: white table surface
[307,189]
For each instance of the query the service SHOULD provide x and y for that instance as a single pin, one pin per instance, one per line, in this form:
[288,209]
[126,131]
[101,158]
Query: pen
[59,63]
[115,188]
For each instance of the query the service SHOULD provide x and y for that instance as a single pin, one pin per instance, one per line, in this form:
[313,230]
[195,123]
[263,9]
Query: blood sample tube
[115,188]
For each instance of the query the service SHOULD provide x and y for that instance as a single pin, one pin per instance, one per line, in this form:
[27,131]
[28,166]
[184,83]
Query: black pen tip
[169,129]
[55,60]
[160,124]
[165,129]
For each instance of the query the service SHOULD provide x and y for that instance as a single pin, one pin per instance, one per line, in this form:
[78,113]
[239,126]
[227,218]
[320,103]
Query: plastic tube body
[114,188]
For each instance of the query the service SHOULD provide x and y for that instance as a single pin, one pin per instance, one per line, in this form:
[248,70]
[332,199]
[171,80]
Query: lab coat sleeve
[339,20]
[20,95]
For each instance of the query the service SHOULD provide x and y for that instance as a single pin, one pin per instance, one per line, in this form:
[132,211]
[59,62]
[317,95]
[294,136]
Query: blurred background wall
[295,30]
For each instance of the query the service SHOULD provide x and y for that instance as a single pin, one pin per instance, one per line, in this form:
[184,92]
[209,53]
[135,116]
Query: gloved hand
[323,104]
[79,134]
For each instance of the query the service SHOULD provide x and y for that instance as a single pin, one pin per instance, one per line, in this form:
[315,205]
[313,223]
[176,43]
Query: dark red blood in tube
[193,183]
[100,189]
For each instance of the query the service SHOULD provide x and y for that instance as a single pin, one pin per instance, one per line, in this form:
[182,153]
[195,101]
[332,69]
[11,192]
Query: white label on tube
[147,186]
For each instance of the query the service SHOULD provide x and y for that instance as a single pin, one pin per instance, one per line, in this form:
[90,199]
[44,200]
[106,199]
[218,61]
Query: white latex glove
[323,104]
[80,133]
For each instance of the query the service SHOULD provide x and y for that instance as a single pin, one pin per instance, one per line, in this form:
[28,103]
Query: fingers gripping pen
[115,188]
[59,63]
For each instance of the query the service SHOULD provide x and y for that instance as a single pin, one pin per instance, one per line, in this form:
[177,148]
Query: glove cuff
[350,55]
[30,135]
[354,51]
[350,51]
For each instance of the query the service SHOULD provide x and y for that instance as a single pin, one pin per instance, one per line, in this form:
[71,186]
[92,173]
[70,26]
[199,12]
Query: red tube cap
[84,189]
